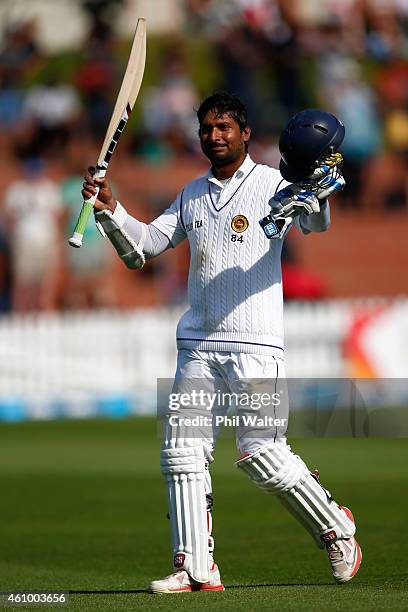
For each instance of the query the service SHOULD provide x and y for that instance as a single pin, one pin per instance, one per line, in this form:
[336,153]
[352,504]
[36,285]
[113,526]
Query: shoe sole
[219,587]
[189,589]
[207,589]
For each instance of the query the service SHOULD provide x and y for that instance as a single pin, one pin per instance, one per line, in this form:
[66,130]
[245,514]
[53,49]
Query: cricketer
[231,337]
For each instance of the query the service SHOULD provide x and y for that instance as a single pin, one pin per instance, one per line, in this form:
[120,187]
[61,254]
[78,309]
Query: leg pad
[277,470]
[184,471]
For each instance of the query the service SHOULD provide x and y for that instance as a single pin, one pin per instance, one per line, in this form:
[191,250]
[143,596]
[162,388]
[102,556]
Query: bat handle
[87,206]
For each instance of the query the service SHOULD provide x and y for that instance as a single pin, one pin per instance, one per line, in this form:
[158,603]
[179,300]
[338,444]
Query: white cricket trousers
[251,388]
[234,385]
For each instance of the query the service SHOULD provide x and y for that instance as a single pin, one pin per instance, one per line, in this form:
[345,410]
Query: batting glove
[287,204]
[304,196]
[294,199]
[326,178]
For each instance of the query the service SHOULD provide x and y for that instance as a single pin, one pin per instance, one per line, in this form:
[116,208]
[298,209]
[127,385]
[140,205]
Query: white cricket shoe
[344,556]
[181,582]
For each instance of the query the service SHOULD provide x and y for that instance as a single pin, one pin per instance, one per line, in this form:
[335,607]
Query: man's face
[222,140]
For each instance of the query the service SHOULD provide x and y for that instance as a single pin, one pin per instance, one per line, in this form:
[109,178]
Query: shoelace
[335,554]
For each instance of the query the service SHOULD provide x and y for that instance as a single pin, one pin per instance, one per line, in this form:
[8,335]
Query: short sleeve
[170,222]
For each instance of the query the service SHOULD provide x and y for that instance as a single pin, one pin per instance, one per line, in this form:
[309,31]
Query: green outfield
[83,510]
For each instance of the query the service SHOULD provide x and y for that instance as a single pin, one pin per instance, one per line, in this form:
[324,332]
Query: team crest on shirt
[239,223]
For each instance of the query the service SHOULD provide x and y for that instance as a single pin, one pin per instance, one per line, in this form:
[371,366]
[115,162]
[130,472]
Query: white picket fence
[79,364]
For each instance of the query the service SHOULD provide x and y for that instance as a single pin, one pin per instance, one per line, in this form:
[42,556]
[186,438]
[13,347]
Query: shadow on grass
[278,584]
[102,592]
[227,588]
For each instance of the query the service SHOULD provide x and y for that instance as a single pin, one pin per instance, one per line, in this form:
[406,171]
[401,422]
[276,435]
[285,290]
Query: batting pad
[277,470]
[184,471]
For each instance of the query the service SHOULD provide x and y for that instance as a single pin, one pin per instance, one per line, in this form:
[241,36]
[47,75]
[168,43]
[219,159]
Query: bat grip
[87,206]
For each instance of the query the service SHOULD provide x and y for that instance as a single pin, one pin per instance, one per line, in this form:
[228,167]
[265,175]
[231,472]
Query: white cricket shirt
[235,283]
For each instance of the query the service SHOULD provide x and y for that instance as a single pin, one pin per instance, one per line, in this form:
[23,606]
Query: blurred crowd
[279,56]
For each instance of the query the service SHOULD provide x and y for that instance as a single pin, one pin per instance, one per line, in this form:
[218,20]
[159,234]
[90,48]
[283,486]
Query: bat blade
[125,102]
[129,89]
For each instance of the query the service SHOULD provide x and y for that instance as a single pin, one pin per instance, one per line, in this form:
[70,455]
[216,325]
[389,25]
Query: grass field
[83,509]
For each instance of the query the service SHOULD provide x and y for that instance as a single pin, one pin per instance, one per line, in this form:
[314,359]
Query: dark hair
[224,103]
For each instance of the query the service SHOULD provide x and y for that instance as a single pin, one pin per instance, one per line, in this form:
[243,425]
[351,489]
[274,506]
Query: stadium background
[81,336]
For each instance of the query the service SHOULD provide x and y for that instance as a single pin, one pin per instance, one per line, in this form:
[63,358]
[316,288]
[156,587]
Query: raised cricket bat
[124,104]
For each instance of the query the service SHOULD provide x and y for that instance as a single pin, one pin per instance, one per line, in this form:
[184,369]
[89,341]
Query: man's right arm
[133,240]
[155,241]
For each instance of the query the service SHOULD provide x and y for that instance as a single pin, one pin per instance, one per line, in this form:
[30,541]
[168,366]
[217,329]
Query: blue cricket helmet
[309,135]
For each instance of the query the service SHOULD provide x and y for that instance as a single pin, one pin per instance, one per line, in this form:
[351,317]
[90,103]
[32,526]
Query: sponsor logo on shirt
[194,225]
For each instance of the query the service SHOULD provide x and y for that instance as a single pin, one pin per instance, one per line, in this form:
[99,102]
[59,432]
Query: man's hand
[326,178]
[294,199]
[287,204]
[105,199]
[306,196]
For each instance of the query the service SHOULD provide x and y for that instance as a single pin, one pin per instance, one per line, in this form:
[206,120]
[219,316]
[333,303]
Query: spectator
[168,108]
[97,77]
[33,210]
[11,101]
[236,49]
[385,183]
[19,53]
[50,111]
[83,286]
[351,99]
[5,273]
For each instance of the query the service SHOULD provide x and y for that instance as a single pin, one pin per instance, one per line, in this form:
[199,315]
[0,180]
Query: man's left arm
[324,181]
[315,222]
[304,204]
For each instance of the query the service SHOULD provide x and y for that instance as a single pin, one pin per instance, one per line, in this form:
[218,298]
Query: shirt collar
[244,169]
